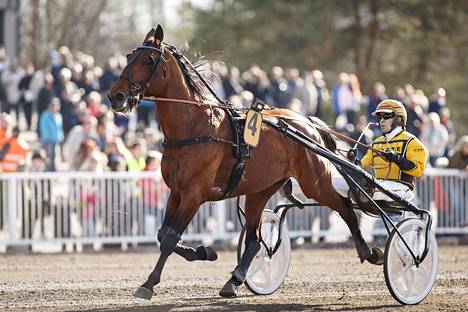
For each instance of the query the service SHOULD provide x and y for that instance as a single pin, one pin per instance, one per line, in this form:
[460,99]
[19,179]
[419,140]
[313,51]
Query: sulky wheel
[408,283]
[266,274]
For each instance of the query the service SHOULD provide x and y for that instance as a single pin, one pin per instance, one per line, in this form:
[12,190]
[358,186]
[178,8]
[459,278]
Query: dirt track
[318,280]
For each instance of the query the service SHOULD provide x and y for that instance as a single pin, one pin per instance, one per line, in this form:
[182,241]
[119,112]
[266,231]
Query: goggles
[385,116]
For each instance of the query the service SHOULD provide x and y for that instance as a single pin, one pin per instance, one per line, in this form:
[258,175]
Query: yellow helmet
[392,106]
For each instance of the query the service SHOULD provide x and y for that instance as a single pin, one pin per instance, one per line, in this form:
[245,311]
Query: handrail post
[12,209]
[220,216]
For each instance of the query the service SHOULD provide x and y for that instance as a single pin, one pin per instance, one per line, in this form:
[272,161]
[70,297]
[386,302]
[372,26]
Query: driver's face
[386,125]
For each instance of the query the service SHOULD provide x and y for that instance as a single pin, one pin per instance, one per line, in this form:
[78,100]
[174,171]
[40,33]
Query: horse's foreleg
[189,253]
[179,212]
[374,256]
[254,205]
[168,243]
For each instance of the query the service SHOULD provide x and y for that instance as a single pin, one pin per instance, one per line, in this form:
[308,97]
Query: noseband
[137,88]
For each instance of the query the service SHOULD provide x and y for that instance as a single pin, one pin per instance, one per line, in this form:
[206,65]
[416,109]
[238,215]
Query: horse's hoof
[211,254]
[377,256]
[143,293]
[229,290]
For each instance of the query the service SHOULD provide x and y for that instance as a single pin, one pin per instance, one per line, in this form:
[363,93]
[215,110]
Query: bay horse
[198,171]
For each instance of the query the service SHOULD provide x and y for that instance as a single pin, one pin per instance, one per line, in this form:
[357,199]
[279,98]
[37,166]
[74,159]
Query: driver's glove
[352,156]
[402,162]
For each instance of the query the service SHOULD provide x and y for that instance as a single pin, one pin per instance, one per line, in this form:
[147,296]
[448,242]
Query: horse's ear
[149,37]
[159,34]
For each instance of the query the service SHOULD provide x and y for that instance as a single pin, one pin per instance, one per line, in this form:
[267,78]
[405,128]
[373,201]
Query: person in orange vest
[13,149]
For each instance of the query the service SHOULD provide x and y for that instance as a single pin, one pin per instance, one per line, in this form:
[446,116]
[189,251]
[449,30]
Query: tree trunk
[357,38]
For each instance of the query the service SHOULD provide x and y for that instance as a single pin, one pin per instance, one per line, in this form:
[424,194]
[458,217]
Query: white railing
[80,207]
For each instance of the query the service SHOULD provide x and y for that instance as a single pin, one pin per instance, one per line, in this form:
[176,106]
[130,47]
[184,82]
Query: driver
[403,156]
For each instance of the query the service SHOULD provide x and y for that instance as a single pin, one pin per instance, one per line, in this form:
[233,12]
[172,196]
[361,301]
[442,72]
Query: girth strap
[195,140]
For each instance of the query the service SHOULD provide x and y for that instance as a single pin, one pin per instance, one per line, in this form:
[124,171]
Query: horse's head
[141,74]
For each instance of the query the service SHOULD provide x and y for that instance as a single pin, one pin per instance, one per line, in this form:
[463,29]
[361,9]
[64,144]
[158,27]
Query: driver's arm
[417,154]
[368,159]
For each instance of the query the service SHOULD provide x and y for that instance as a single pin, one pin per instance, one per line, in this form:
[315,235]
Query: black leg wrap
[377,257]
[169,241]
[250,252]
[190,254]
[162,232]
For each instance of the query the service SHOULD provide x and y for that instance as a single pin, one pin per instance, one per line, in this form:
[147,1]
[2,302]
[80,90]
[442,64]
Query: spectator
[153,138]
[152,190]
[343,98]
[90,83]
[59,60]
[377,95]
[357,96]
[90,158]
[230,80]
[3,99]
[444,115]
[415,116]
[37,199]
[257,83]
[115,149]
[89,197]
[26,99]
[278,92]
[437,102]
[295,82]
[10,79]
[322,91]
[74,140]
[308,95]
[13,149]
[51,129]
[146,111]
[109,76]
[459,159]
[46,94]
[136,161]
[69,96]
[435,137]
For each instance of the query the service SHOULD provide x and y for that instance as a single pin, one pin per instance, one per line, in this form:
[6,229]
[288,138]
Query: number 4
[252,124]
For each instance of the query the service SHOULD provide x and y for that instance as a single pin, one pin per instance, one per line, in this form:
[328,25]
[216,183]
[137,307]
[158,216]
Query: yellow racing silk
[404,144]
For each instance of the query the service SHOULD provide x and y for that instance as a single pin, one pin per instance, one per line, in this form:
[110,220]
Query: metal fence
[80,207]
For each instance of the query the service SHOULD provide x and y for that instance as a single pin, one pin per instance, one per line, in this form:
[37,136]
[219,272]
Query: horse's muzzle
[117,100]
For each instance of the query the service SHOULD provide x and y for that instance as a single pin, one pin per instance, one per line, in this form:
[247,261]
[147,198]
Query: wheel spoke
[411,282]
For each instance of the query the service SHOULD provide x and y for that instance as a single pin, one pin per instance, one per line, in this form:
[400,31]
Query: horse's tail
[329,140]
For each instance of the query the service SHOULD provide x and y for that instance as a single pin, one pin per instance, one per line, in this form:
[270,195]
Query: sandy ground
[318,280]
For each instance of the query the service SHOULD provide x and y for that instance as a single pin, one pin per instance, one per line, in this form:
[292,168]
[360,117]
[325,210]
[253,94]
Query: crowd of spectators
[67,120]
[57,118]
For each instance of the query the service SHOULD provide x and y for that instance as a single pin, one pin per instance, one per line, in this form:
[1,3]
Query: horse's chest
[180,170]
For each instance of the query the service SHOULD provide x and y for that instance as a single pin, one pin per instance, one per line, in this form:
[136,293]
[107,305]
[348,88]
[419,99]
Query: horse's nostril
[119,97]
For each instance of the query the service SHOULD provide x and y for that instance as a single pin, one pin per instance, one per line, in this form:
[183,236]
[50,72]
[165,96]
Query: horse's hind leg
[254,205]
[374,256]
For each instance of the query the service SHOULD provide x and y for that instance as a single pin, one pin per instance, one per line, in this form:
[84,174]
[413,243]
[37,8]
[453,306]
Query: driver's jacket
[404,144]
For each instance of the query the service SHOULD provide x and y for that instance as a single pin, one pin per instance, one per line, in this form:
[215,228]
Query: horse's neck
[179,120]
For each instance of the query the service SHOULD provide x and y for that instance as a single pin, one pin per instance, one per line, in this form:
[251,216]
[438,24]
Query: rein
[211,105]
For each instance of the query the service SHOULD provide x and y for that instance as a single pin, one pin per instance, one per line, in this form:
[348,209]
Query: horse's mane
[194,82]
[329,141]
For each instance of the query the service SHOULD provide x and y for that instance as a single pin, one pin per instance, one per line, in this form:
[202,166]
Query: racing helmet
[392,106]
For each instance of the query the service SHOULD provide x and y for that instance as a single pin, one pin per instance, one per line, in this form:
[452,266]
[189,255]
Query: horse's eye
[149,62]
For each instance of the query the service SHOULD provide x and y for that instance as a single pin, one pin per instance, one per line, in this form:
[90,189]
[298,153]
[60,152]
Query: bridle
[137,88]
